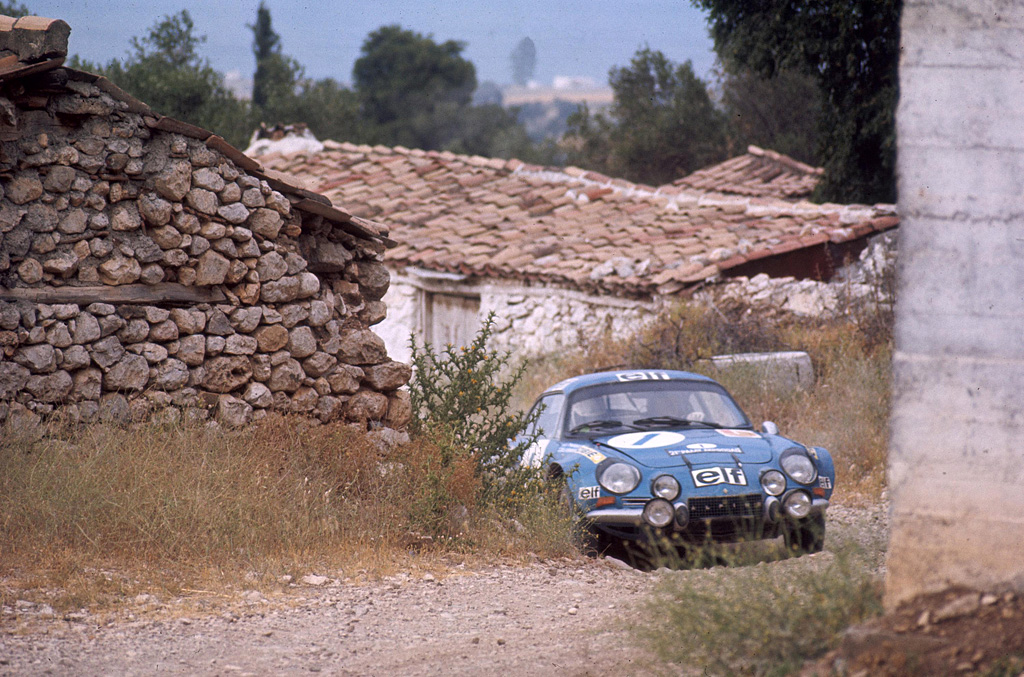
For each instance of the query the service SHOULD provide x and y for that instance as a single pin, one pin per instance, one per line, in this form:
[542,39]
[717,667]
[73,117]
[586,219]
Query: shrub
[462,401]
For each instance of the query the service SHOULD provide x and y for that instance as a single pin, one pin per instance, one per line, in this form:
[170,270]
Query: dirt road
[565,616]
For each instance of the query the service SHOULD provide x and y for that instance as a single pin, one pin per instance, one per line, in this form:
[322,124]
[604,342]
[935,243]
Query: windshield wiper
[595,425]
[672,420]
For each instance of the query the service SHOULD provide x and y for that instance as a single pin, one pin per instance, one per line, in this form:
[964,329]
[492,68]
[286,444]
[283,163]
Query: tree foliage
[662,124]
[851,49]
[524,61]
[15,9]
[164,69]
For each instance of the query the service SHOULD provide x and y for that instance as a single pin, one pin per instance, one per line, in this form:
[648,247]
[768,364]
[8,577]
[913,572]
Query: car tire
[806,536]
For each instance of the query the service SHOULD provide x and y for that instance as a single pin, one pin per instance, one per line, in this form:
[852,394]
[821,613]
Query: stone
[329,408]
[258,395]
[280,291]
[199,245]
[304,400]
[188,321]
[366,405]
[75,357]
[208,179]
[125,217]
[119,270]
[217,323]
[226,246]
[293,313]
[163,331]
[318,364]
[296,264]
[319,313]
[231,193]
[233,412]
[59,179]
[43,244]
[114,408]
[271,338]
[301,342]
[212,230]
[131,372]
[399,410]
[252,198]
[235,212]
[265,222]
[87,385]
[155,210]
[30,271]
[24,187]
[151,274]
[174,182]
[345,379]
[86,329]
[240,344]
[373,312]
[309,285]
[175,258]
[154,353]
[107,351]
[166,237]
[172,374]
[373,278]
[271,266]
[212,269]
[58,336]
[134,331]
[278,202]
[192,350]
[245,320]
[110,324]
[286,377]
[215,345]
[224,374]
[74,222]
[360,346]
[50,388]
[13,378]
[62,265]
[40,358]
[203,201]
[261,367]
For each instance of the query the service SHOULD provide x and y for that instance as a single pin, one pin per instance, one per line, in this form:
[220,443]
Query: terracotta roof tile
[759,173]
[498,218]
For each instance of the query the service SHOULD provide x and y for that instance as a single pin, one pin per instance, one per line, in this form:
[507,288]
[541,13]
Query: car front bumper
[633,516]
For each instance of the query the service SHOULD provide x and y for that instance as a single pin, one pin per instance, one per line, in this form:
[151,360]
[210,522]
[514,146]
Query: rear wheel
[805,536]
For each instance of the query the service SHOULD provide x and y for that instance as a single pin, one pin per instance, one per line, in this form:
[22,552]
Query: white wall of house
[528,321]
[956,465]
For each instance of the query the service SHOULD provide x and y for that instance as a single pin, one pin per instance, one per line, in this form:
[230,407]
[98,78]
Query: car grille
[711,507]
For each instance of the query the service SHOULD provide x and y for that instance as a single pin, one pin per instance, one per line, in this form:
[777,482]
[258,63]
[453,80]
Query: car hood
[672,448]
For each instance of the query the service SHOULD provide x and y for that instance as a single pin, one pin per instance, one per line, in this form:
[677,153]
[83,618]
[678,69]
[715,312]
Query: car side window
[547,422]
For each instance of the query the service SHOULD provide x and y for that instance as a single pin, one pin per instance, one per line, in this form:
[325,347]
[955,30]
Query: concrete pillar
[956,468]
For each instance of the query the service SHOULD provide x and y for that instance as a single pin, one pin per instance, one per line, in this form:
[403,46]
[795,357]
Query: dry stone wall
[141,268]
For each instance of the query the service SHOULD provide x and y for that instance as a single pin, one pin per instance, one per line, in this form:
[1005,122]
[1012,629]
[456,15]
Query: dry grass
[104,512]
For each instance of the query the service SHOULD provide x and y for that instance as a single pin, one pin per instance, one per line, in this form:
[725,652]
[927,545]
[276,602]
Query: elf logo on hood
[707,477]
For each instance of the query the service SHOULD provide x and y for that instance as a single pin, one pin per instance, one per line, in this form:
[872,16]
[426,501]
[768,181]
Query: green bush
[461,401]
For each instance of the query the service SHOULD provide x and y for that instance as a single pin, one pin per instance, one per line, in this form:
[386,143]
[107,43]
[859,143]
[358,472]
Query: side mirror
[770,428]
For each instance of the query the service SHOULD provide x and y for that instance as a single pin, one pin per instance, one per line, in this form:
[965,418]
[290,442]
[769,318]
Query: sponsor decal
[592,455]
[824,482]
[706,477]
[643,376]
[653,440]
[589,493]
[750,434]
[703,447]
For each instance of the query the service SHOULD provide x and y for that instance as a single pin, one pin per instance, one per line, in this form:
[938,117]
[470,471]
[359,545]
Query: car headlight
[659,513]
[773,482]
[799,466]
[665,486]
[797,504]
[619,478]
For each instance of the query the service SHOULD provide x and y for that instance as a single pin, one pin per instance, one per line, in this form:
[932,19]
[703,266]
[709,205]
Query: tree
[524,61]
[15,9]
[851,49]
[164,70]
[780,113]
[663,124]
[276,78]
[412,88]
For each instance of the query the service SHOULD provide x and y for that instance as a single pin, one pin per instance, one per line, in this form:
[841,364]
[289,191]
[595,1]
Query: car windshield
[650,405]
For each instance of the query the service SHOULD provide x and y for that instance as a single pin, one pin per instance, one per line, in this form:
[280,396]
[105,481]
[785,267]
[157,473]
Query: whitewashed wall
[956,463]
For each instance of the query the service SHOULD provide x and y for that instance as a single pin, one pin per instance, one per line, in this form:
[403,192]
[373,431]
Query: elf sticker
[739,433]
[707,477]
[589,493]
[643,376]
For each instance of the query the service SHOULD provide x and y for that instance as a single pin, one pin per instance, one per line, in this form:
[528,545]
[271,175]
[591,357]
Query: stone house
[563,254]
[145,262]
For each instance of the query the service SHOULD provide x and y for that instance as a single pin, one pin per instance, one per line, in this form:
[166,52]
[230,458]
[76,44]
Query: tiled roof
[758,173]
[494,218]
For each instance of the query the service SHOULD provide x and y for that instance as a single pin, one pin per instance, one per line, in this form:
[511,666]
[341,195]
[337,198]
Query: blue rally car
[670,452]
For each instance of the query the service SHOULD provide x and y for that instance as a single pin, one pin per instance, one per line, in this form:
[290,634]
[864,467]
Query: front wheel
[805,536]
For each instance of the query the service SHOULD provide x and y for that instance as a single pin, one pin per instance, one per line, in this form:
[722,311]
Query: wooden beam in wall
[165,292]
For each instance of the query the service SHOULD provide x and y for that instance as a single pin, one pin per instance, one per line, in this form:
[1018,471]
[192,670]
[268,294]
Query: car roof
[625,376]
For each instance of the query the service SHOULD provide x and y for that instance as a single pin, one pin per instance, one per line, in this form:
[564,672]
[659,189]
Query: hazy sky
[573,37]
